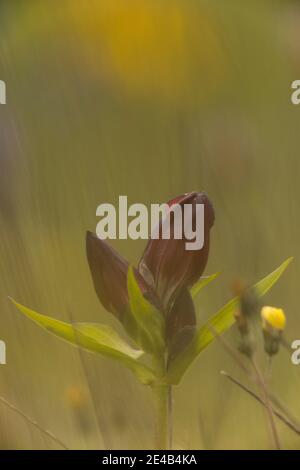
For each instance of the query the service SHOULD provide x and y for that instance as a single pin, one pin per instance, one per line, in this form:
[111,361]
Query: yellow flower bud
[273,317]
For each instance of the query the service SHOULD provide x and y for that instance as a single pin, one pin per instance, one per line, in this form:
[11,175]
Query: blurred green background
[148,99]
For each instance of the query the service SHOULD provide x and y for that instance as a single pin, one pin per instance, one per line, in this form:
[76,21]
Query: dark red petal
[109,272]
[167,262]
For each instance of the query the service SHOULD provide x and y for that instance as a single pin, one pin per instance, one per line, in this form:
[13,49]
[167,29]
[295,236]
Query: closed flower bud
[273,324]
[273,318]
[109,273]
[244,316]
[166,263]
[78,402]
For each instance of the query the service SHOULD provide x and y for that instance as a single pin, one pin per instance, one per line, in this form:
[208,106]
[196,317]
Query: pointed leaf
[93,337]
[149,319]
[219,322]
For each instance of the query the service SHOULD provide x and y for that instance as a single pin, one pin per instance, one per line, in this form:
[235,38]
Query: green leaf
[203,281]
[149,319]
[219,322]
[93,337]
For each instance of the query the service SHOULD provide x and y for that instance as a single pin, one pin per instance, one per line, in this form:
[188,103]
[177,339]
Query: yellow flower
[75,396]
[273,317]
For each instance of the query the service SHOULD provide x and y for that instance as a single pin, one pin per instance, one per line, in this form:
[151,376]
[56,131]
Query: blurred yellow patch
[150,46]
[167,49]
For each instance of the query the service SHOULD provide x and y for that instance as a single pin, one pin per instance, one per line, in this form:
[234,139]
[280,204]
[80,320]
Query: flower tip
[90,236]
[273,317]
[209,208]
[194,197]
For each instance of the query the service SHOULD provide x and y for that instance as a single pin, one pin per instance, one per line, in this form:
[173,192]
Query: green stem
[266,400]
[163,406]
[161,394]
[170,415]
